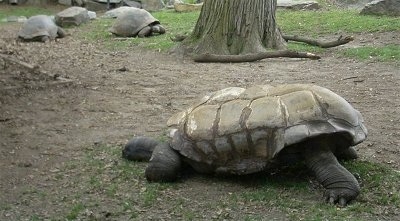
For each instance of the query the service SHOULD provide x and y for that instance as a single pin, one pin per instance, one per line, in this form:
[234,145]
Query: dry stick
[253,57]
[24,64]
[34,68]
[322,44]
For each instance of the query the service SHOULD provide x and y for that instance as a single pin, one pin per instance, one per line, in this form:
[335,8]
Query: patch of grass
[174,23]
[382,53]
[104,182]
[106,179]
[297,46]
[380,183]
[6,11]
[329,22]
[180,208]
[379,186]
[34,218]
[75,210]
[306,23]
[149,194]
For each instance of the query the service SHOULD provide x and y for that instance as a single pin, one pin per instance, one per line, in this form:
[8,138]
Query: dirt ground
[115,95]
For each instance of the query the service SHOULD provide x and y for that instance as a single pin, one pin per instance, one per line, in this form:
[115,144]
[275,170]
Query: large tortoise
[136,22]
[40,28]
[243,131]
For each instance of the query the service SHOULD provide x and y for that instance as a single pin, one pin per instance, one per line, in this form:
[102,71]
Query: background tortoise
[40,28]
[242,131]
[136,22]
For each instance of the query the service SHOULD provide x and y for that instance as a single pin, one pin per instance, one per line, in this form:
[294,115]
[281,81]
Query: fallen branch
[322,44]
[22,63]
[34,68]
[253,57]
[348,78]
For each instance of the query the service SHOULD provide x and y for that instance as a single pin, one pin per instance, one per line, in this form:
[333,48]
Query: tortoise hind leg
[341,186]
[165,164]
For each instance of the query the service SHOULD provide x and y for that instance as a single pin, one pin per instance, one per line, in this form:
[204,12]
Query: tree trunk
[236,27]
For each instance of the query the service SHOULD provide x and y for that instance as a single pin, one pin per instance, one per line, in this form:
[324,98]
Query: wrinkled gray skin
[40,28]
[320,153]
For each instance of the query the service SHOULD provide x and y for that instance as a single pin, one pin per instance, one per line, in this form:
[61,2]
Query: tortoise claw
[332,198]
[342,202]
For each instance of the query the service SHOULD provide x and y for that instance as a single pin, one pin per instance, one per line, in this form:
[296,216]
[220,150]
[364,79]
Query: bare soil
[115,95]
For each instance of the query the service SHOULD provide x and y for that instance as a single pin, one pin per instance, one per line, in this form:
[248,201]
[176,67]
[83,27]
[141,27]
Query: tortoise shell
[239,131]
[38,26]
[130,22]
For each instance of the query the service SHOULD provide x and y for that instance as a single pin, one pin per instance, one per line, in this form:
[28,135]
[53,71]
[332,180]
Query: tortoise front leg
[341,186]
[165,164]
[61,32]
[44,38]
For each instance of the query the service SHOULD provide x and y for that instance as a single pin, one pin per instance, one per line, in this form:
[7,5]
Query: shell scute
[301,106]
[266,112]
[335,105]
[230,117]
[201,121]
[225,95]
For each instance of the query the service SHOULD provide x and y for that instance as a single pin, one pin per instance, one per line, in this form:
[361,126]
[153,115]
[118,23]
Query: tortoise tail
[139,149]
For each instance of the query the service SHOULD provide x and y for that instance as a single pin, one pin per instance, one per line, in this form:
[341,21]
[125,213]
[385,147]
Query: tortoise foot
[341,196]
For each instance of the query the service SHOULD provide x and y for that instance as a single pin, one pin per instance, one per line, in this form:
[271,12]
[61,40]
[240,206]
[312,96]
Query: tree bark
[235,27]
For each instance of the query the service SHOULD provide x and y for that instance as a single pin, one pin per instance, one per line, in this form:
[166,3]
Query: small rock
[183,7]
[132,3]
[152,5]
[72,16]
[298,4]
[382,7]
[114,13]
[92,15]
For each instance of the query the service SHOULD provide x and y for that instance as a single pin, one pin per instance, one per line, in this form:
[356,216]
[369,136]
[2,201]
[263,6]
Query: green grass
[6,10]
[379,186]
[101,181]
[105,178]
[174,23]
[75,210]
[305,23]
[382,53]
[298,46]
[331,22]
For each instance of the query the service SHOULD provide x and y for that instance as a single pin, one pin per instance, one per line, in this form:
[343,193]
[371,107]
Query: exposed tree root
[329,44]
[253,57]
[273,54]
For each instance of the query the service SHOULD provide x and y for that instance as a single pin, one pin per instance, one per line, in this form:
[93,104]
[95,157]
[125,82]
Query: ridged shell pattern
[238,130]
